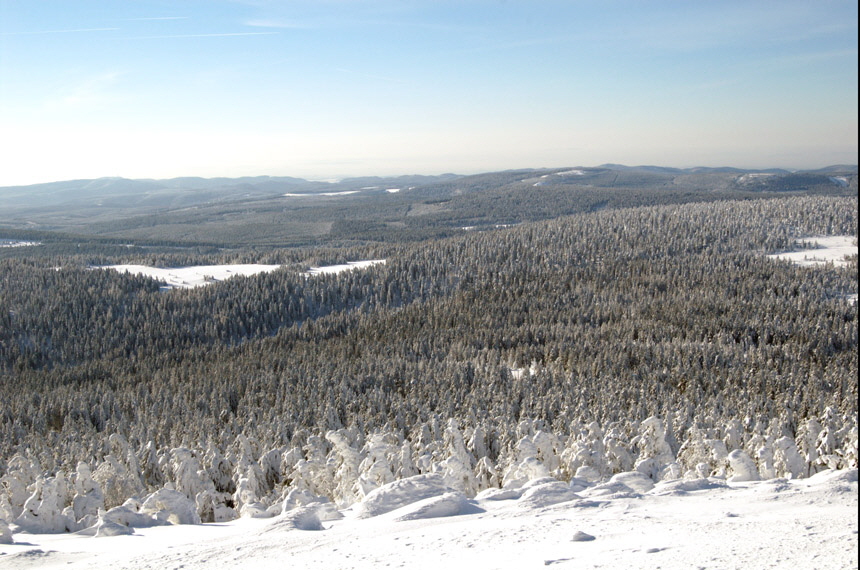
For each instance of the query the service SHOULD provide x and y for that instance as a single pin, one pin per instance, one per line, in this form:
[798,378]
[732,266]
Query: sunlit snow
[825,249]
[749,177]
[311,195]
[330,269]
[17,243]
[200,275]
[682,524]
[194,276]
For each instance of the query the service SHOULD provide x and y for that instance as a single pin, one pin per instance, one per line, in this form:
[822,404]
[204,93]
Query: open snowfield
[827,249]
[331,269]
[624,523]
[317,194]
[17,243]
[194,276]
[200,275]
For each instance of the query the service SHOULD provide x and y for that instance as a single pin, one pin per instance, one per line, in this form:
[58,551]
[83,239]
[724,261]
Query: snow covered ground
[827,249]
[200,275]
[622,523]
[329,269]
[17,243]
[317,194]
[194,276]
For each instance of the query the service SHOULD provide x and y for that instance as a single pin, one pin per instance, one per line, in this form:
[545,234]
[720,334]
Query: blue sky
[334,88]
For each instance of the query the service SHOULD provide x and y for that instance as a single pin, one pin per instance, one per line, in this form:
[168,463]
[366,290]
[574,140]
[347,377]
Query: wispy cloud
[69,31]
[88,91]
[215,35]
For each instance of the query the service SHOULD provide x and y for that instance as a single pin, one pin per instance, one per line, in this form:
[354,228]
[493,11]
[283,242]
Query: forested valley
[660,338]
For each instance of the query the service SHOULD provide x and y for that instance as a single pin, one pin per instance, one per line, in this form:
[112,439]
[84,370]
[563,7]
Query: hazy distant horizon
[335,179]
[327,90]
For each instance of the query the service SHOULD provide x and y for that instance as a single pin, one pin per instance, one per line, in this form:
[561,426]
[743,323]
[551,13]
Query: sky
[325,89]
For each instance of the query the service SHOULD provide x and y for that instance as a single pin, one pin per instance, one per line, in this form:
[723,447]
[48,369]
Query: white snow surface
[329,269]
[827,249]
[194,276]
[17,243]
[200,275]
[683,524]
[316,194]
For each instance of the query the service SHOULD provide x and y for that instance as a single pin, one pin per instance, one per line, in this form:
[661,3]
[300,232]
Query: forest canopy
[592,341]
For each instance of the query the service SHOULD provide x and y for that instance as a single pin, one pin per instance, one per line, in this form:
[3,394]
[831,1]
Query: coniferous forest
[660,338]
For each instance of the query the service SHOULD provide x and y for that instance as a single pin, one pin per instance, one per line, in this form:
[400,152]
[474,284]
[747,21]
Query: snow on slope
[195,276]
[17,243]
[328,269]
[827,249]
[200,275]
[682,524]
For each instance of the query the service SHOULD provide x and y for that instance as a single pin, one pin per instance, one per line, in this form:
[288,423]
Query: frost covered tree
[186,472]
[21,473]
[219,469]
[524,465]
[457,468]
[380,451]
[741,467]
[248,477]
[549,451]
[407,466]
[486,474]
[703,456]
[150,472]
[585,454]
[43,510]
[656,459]
[847,439]
[807,445]
[760,449]
[826,444]
[88,499]
[619,459]
[118,474]
[346,461]
[270,465]
[788,462]
[733,434]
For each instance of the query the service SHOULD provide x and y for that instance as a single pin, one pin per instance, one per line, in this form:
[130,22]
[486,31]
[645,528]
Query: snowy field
[17,243]
[194,276]
[317,194]
[826,249]
[200,275]
[626,522]
[331,269]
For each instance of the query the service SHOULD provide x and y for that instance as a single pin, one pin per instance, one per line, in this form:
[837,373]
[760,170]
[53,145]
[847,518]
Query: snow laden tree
[656,459]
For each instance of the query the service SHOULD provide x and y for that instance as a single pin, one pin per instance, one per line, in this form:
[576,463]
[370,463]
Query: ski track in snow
[806,523]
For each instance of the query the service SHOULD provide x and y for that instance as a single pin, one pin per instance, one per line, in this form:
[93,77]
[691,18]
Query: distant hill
[268,210]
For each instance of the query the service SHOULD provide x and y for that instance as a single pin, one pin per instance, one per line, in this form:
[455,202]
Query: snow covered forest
[660,340]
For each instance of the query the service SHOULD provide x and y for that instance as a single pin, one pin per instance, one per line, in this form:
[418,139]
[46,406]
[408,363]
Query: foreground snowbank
[705,523]
[384,470]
